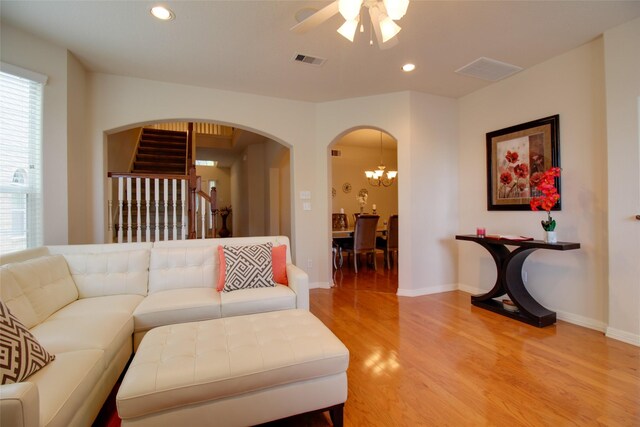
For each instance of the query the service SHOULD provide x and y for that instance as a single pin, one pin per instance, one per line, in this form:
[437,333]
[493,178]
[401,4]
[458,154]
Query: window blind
[20,158]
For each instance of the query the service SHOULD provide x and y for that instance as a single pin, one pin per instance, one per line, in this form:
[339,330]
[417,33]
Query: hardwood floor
[436,360]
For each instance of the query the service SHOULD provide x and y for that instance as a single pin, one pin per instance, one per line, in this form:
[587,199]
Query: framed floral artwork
[517,157]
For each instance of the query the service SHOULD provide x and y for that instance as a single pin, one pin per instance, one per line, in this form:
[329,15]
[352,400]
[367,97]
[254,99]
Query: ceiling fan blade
[316,19]
[375,15]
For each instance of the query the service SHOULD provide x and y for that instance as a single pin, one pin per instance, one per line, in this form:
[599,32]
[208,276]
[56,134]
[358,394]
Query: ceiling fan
[383,13]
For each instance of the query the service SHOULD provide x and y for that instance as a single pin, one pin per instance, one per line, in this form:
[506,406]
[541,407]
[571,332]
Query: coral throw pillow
[279,259]
[221,269]
[248,267]
[20,353]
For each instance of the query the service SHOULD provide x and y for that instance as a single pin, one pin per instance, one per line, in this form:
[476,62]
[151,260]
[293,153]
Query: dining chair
[389,244]
[339,221]
[364,239]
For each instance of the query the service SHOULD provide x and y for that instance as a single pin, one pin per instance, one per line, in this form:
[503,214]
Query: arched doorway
[352,154]
[250,171]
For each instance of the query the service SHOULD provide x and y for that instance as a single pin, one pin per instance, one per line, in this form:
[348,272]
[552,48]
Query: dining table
[346,233]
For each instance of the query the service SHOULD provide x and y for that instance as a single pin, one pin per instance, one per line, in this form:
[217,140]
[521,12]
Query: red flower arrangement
[545,183]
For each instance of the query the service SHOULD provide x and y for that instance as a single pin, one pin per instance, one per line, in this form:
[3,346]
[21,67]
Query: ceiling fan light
[368,174]
[392,174]
[349,9]
[348,29]
[388,28]
[396,9]
[378,174]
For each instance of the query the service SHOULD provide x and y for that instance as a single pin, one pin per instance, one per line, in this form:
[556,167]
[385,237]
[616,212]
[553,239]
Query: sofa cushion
[103,331]
[65,383]
[182,267]
[248,267]
[258,300]
[119,304]
[13,295]
[177,306]
[21,354]
[47,284]
[110,273]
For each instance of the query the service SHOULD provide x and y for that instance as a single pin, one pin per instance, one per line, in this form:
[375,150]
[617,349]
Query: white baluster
[110,210]
[128,209]
[183,195]
[120,205]
[166,209]
[157,197]
[203,216]
[139,227]
[147,195]
[175,205]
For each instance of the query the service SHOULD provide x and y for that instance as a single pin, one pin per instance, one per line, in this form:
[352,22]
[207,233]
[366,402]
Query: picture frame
[514,156]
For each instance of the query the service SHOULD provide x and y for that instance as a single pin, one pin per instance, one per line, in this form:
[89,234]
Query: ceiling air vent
[488,69]
[336,153]
[311,60]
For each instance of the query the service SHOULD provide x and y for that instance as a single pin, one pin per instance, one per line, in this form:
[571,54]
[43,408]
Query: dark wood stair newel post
[193,188]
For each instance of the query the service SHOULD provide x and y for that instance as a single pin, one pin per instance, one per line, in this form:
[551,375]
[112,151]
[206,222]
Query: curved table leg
[515,288]
[500,255]
[509,281]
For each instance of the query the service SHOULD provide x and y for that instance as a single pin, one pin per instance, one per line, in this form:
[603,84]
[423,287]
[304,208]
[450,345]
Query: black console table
[509,281]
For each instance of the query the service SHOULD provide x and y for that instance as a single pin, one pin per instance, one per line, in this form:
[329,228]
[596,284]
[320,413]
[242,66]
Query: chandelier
[383,13]
[377,177]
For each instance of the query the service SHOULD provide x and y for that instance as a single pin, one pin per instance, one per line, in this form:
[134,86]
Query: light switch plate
[305,195]
[306,206]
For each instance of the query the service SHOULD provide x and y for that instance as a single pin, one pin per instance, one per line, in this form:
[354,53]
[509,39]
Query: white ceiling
[246,46]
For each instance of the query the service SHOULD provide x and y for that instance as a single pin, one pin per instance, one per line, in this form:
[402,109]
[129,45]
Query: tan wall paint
[222,176]
[572,85]
[121,147]
[426,128]
[622,66]
[27,51]
[77,153]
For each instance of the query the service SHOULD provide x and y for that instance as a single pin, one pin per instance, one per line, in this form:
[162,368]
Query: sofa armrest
[19,405]
[299,283]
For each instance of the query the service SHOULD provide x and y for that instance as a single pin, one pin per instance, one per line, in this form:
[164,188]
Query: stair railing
[155,207]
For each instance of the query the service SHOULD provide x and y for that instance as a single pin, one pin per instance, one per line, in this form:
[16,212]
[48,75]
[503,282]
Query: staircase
[161,152]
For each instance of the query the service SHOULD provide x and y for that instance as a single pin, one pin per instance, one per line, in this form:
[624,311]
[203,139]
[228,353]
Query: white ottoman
[236,371]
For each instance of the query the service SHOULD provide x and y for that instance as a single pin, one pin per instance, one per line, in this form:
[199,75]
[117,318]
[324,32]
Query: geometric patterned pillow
[248,267]
[20,353]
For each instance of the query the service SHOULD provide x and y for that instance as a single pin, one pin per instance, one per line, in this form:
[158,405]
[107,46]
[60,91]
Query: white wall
[573,283]
[622,66]
[122,101]
[77,152]
[425,127]
[27,51]
[432,188]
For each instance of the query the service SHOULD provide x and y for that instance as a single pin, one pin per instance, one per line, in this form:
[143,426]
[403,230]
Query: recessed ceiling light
[162,13]
[408,67]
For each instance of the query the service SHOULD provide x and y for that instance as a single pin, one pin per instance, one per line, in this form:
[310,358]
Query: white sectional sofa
[90,306]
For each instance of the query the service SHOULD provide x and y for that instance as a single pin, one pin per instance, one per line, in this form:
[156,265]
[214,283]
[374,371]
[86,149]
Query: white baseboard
[320,285]
[471,290]
[623,336]
[425,291]
[580,320]
[560,315]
